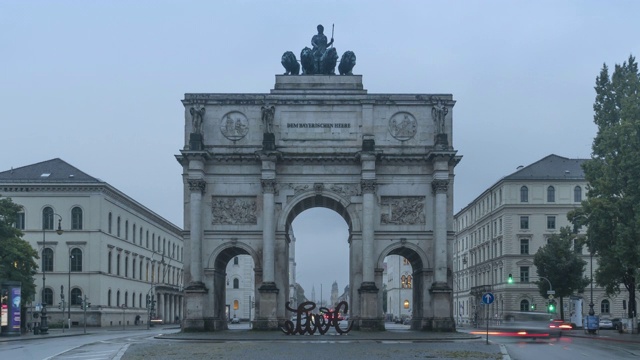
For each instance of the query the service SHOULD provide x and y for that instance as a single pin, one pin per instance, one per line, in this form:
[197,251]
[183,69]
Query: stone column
[197,188]
[440,188]
[267,317]
[268,230]
[368,291]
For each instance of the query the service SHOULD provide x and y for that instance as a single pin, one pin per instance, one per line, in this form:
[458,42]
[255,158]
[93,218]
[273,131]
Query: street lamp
[44,327]
[69,291]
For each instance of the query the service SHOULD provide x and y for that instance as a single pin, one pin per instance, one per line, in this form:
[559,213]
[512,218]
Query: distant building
[500,231]
[113,250]
[240,288]
[399,285]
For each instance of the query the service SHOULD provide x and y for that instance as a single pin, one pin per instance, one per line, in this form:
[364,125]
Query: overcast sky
[99,83]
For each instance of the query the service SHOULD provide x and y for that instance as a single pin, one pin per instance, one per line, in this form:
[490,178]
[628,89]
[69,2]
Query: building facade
[498,234]
[112,252]
[399,285]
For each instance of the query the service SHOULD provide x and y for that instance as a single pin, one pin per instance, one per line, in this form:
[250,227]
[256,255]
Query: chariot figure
[318,60]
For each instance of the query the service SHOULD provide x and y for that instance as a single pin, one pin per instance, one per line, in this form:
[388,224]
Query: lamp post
[69,292]
[44,327]
[591,311]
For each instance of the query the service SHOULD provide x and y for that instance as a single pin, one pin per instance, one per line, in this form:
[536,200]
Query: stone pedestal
[369,317]
[195,142]
[266,318]
[441,298]
[195,303]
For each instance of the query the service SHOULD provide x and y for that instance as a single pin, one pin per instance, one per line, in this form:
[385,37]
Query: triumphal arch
[253,162]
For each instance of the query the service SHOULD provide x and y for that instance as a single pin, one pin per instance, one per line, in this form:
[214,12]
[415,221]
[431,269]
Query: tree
[17,258]
[562,264]
[612,209]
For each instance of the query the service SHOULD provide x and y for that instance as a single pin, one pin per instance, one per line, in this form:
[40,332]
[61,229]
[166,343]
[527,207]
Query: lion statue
[290,63]
[328,62]
[347,62]
[306,59]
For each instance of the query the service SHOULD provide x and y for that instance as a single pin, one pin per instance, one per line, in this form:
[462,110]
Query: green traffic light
[510,279]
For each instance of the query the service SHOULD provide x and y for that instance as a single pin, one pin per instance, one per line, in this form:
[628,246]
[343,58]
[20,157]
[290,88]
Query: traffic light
[510,279]
[552,307]
[533,306]
[60,305]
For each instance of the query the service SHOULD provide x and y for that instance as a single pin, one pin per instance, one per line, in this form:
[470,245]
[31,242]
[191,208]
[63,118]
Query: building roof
[50,171]
[550,167]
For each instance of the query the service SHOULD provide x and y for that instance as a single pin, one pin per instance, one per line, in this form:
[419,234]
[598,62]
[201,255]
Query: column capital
[268,186]
[368,186]
[197,185]
[440,186]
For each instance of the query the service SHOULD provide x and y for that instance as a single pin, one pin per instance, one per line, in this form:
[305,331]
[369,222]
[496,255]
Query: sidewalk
[79,330]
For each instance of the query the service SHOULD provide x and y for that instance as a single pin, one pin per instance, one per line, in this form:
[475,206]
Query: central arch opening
[318,229]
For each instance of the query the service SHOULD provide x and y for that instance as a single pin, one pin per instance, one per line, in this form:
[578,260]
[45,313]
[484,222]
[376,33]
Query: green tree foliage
[17,257]
[612,209]
[562,265]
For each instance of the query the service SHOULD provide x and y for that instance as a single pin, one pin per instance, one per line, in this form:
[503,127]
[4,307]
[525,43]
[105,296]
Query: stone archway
[384,162]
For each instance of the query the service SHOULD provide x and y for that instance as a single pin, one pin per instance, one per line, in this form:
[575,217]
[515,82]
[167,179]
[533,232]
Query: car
[235,320]
[605,323]
[560,324]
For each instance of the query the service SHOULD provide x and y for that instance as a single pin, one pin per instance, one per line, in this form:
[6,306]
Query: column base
[196,286]
[266,318]
[369,318]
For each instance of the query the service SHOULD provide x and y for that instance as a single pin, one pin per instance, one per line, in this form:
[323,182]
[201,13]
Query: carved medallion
[234,210]
[234,125]
[403,126]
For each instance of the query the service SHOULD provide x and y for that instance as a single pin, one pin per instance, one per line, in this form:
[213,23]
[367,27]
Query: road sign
[551,292]
[487,298]
[550,297]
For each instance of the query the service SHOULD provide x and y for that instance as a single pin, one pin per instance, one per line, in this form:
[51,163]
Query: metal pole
[487,325]
[84,305]
[591,311]
[62,305]
[69,292]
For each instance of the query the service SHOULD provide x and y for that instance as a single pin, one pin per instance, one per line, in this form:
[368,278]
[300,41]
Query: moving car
[525,324]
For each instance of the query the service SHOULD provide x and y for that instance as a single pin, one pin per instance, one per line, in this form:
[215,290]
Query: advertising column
[10,319]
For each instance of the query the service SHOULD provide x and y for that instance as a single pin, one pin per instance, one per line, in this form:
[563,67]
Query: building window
[126,266]
[551,222]
[236,305]
[140,300]
[524,222]
[47,218]
[47,259]
[524,274]
[605,307]
[47,296]
[406,304]
[406,281]
[20,220]
[551,194]
[118,227]
[235,260]
[76,218]
[110,223]
[109,298]
[118,265]
[76,259]
[133,234]
[76,296]
[133,268]
[126,230]
[133,300]
[140,271]
[236,283]
[126,298]
[577,194]
[524,194]
[109,259]
[118,298]
[147,239]
[524,246]
[524,305]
